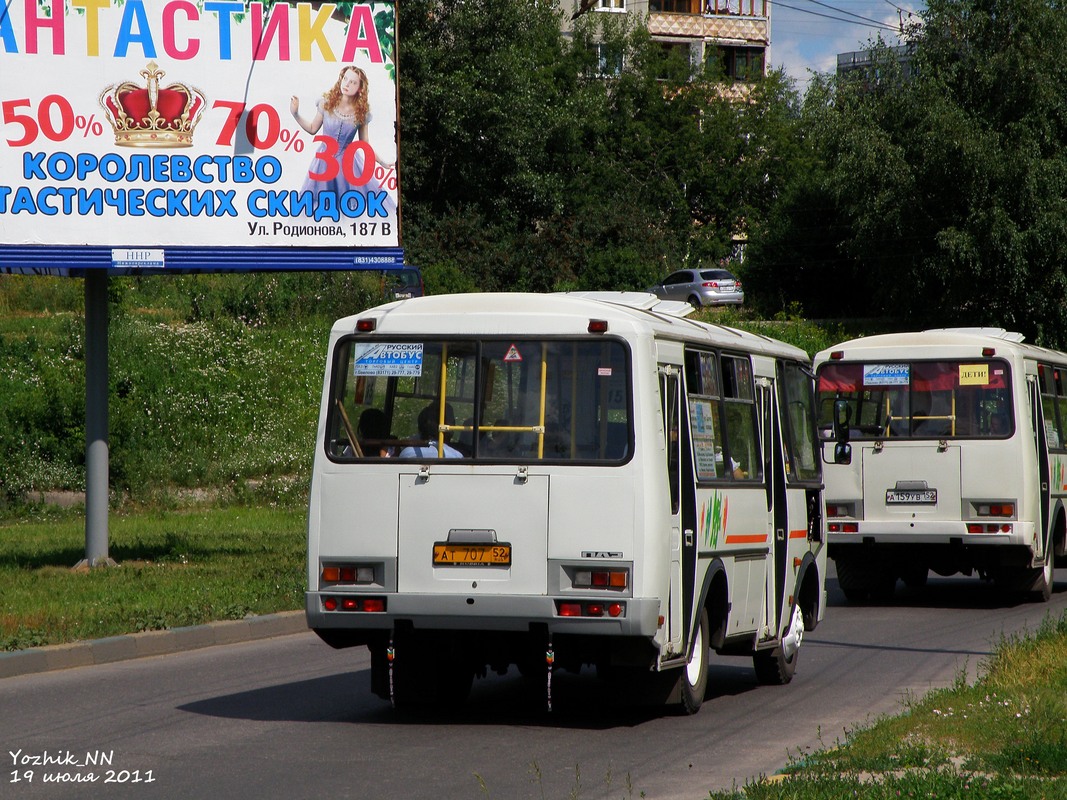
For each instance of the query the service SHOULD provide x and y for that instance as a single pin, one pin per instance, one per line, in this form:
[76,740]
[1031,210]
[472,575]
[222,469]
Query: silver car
[701,287]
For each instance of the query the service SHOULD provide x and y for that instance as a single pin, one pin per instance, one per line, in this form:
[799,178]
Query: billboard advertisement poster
[207,123]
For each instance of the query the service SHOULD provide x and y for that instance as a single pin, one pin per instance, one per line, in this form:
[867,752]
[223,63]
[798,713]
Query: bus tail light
[988,527]
[840,510]
[368,605]
[843,527]
[995,509]
[348,573]
[587,608]
[601,578]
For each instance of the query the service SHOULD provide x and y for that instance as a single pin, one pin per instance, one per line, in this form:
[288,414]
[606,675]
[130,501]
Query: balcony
[739,8]
[733,20]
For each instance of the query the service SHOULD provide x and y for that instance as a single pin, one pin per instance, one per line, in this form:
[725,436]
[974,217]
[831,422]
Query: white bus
[950,448]
[553,481]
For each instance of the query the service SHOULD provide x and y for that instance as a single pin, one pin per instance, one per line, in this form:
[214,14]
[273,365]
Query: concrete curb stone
[150,643]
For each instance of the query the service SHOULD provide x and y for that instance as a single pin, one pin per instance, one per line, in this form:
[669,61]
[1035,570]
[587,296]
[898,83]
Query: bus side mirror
[842,418]
[842,453]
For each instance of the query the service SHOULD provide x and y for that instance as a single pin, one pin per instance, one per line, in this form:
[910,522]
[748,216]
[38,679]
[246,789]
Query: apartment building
[737,32]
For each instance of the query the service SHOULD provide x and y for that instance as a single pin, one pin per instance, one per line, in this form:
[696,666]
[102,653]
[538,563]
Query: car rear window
[716,275]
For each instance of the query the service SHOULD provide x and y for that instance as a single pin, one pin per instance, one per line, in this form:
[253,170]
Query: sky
[807,35]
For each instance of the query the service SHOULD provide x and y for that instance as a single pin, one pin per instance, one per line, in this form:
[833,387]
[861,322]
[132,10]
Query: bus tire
[773,667]
[1036,584]
[694,680]
[1043,578]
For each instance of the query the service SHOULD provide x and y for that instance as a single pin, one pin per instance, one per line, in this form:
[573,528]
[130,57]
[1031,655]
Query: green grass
[175,569]
[1003,737]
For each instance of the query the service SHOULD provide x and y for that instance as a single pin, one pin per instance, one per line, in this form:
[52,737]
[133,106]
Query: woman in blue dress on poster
[341,118]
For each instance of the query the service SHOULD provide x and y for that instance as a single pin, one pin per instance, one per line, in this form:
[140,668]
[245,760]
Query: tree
[528,165]
[938,200]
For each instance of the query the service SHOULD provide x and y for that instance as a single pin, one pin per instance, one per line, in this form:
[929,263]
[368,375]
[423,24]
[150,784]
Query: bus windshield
[919,399]
[514,399]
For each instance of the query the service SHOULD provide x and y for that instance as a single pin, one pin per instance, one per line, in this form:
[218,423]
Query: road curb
[150,643]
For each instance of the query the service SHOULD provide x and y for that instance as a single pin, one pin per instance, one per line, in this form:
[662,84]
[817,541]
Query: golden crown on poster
[148,115]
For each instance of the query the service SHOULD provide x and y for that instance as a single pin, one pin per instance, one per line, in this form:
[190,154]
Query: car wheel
[694,301]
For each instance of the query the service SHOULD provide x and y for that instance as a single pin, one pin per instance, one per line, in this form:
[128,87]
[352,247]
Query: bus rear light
[995,509]
[372,605]
[598,326]
[348,573]
[838,510]
[590,609]
[366,325]
[843,527]
[837,355]
[988,527]
[989,352]
[602,578]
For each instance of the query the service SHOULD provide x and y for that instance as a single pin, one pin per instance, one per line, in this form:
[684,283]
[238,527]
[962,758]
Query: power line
[850,14]
[868,23]
[898,8]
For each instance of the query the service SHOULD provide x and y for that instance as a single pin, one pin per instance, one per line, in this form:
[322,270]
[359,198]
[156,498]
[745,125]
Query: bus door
[1041,445]
[777,502]
[682,548]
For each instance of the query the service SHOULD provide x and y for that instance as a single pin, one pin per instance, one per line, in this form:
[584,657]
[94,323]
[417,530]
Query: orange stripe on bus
[798,534]
[755,538]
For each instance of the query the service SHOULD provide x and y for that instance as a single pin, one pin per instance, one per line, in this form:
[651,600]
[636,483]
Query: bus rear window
[919,399]
[488,399]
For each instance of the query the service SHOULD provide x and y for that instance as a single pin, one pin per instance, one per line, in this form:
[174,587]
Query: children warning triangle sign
[513,354]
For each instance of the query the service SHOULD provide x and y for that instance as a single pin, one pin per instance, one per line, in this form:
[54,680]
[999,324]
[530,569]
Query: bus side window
[1060,407]
[740,437]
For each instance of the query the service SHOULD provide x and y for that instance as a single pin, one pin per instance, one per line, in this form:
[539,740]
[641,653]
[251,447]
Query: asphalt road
[291,718]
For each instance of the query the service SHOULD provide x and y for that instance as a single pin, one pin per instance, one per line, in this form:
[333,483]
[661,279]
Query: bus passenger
[428,422]
[373,430]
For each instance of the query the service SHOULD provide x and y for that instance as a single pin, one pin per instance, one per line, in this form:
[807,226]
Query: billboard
[136,128]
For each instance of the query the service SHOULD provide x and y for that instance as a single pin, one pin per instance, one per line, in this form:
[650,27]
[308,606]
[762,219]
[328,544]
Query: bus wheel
[1036,583]
[1041,585]
[776,667]
[695,672]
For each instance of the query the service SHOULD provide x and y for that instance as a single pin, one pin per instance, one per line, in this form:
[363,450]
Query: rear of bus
[939,464]
[474,499]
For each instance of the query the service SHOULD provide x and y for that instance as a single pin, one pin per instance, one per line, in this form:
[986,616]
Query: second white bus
[551,481]
[950,449]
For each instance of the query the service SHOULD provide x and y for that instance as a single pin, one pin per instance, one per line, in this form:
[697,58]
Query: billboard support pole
[96,421]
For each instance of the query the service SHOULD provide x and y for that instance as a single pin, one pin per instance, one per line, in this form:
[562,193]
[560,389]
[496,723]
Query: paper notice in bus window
[381,358]
[702,425]
[974,374]
[886,374]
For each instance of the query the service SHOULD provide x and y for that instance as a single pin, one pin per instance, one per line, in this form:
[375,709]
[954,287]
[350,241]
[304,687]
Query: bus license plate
[911,496]
[471,555]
